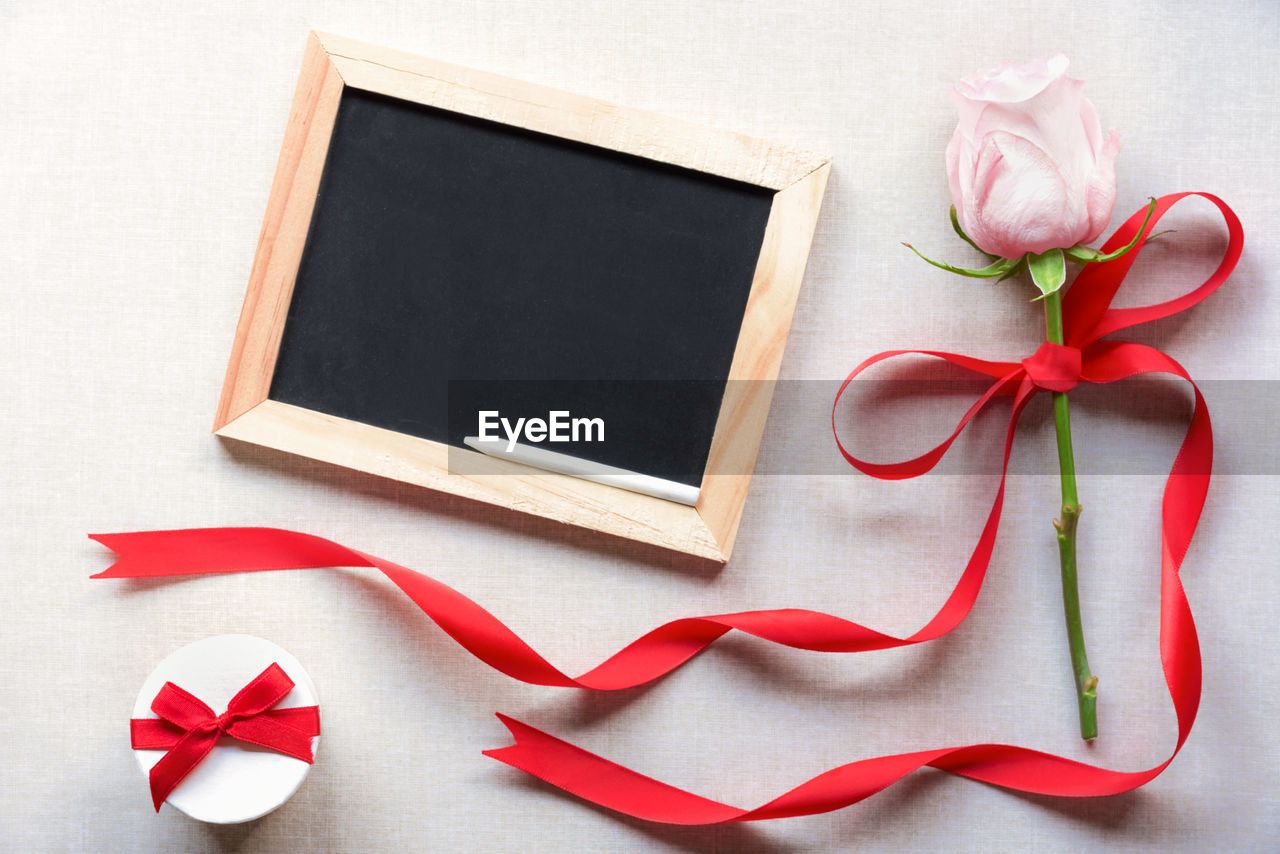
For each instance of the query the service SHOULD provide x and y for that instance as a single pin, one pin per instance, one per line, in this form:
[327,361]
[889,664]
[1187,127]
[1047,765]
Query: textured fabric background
[138,144]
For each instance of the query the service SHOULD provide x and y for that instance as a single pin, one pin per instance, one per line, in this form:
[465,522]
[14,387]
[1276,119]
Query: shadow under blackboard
[471,512]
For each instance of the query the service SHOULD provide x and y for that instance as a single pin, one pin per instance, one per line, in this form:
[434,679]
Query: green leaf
[1048,270]
[955,223]
[999,268]
[1085,255]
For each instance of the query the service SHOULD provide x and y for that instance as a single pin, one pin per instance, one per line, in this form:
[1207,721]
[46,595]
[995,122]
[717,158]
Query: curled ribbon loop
[188,729]
[1088,317]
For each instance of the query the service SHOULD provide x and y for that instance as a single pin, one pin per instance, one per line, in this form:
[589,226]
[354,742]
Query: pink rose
[1028,165]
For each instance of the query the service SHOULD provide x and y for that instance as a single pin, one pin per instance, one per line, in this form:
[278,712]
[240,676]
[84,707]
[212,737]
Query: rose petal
[1012,83]
[1020,198]
[1101,195]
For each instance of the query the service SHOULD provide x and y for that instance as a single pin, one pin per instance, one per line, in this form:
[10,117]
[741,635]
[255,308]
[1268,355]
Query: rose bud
[1028,165]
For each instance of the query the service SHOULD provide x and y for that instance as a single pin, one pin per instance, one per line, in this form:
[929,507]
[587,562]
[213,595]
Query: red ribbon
[1087,316]
[188,729]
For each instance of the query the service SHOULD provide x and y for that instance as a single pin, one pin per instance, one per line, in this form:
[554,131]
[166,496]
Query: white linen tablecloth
[139,141]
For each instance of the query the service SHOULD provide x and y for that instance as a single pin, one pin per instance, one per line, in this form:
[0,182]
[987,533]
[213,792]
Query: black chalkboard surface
[441,243]
[569,277]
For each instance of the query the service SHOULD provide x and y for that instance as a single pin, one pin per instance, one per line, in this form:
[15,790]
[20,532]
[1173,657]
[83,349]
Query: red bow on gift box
[188,729]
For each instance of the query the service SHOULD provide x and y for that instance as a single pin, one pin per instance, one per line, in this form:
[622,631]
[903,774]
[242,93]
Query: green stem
[1086,682]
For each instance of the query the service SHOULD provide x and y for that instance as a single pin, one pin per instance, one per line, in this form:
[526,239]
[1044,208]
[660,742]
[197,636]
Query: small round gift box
[226,728]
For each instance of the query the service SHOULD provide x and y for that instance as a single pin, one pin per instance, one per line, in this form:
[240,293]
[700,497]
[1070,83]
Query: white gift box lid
[237,781]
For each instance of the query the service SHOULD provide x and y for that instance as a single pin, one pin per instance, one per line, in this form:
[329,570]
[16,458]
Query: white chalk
[541,458]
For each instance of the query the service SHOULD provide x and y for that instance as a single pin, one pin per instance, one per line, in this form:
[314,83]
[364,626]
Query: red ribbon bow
[1088,317]
[188,729]
[1054,367]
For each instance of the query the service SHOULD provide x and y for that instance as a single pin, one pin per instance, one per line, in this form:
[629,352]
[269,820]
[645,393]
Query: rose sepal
[1086,255]
[1048,270]
[1002,267]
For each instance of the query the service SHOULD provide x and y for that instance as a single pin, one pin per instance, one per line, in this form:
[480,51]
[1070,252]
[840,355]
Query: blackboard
[564,277]
[439,240]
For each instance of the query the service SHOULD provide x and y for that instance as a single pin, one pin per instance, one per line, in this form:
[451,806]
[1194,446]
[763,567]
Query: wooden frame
[333,63]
